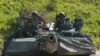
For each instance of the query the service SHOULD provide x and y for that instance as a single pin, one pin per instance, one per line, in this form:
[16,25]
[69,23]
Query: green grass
[88,10]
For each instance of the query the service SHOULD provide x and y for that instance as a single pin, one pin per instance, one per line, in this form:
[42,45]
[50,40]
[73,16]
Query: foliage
[96,41]
[88,10]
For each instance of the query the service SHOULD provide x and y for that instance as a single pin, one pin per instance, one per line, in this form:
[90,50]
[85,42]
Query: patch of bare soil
[97,53]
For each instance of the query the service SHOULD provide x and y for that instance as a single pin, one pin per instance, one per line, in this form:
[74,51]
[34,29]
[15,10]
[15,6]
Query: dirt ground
[97,53]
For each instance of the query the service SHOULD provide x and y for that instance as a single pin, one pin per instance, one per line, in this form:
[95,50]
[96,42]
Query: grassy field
[88,10]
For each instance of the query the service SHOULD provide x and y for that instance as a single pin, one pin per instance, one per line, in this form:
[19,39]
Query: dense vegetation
[88,10]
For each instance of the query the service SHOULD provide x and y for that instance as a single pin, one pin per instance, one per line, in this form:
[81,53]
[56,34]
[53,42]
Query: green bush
[96,42]
[88,10]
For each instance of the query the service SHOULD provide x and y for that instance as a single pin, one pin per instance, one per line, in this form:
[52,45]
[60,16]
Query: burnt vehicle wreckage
[29,41]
